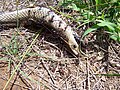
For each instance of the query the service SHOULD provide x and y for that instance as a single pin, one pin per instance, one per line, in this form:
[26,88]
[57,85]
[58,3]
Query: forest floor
[49,65]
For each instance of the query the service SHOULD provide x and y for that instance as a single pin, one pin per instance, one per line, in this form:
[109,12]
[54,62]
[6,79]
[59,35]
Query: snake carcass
[47,15]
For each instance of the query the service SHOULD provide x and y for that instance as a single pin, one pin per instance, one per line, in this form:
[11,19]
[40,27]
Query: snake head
[71,40]
[74,47]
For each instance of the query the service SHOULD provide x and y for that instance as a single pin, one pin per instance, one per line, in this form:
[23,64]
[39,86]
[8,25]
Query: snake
[50,17]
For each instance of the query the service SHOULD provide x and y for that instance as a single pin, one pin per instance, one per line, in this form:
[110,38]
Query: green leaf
[89,31]
[109,74]
[74,7]
[111,26]
[114,37]
[107,23]
[96,4]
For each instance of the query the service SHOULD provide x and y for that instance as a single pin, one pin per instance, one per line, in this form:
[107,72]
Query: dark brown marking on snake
[34,13]
[44,16]
[40,8]
[66,28]
[29,13]
[49,13]
[51,20]
[60,23]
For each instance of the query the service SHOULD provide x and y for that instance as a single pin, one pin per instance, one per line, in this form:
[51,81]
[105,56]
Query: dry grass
[48,65]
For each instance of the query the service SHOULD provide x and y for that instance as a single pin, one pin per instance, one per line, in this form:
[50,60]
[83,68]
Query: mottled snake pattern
[42,13]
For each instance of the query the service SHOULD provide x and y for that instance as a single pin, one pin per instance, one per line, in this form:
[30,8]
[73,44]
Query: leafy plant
[102,13]
[112,29]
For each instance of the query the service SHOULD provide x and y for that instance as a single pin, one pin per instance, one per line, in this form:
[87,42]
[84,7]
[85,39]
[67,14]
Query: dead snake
[50,17]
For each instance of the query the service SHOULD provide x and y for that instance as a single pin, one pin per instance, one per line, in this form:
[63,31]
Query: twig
[46,68]
[88,75]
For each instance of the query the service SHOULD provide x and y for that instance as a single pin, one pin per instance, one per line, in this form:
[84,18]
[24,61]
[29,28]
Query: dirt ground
[49,64]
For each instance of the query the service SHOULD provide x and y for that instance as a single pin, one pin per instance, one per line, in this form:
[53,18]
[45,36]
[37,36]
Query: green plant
[13,47]
[102,13]
[111,28]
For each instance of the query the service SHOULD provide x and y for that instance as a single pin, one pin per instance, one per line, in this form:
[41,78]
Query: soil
[49,64]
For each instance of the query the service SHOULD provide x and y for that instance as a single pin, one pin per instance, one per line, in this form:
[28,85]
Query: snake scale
[43,13]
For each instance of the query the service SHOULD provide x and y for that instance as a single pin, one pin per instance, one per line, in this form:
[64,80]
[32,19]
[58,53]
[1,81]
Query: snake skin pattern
[42,13]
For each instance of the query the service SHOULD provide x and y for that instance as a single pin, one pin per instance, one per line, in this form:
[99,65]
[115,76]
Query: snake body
[42,13]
